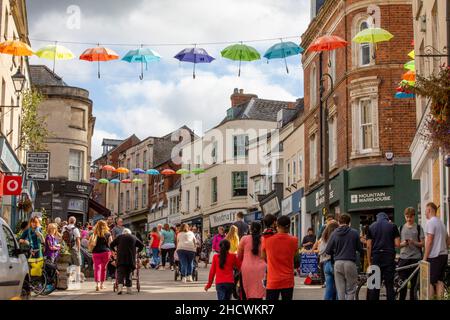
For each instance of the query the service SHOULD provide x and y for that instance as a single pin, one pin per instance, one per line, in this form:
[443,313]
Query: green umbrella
[240,52]
[182,171]
[372,35]
[410,65]
[197,170]
[137,180]
[103,181]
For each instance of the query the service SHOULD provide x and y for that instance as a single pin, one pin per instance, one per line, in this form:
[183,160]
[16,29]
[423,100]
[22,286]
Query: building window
[300,167]
[144,195]
[144,161]
[136,198]
[294,171]
[214,190]
[77,116]
[122,204]
[313,157]
[366,125]
[129,164]
[155,185]
[127,200]
[332,141]
[188,196]
[364,48]
[239,183]
[240,145]
[288,173]
[214,152]
[75,165]
[161,184]
[197,197]
[313,87]
[138,161]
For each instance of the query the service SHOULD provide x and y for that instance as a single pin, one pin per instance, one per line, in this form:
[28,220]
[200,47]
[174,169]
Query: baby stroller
[134,276]
[177,269]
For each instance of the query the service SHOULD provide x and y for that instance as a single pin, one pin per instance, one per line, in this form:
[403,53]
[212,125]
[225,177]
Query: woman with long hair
[51,243]
[330,287]
[253,267]
[33,237]
[186,249]
[222,269]
[233,237]
[99,244]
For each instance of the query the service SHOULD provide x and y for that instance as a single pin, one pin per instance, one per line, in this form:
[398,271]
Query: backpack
[69,236]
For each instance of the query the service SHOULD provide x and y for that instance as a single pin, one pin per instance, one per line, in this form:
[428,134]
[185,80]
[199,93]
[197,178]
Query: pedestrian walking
[241,225]
[167,246]
[217,239]
[125,245]
[233,237]
[198,243]
[253,267]
[270,225]
[72,237]
[222,269]
[118,229]
[436,253]
[155,238]
[279,251]
[342,247]
[186,250]
[101,253]
[327,262]
[52,246]
[412,240]
[382,239]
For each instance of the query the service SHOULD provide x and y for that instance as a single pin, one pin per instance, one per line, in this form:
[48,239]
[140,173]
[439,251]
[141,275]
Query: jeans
[224,291]
[100,262]
[186,261]
[164,253]
[274,294]
[346,278]
[386,263]
[155,254]
[404,274]
[330,287]
[124,274]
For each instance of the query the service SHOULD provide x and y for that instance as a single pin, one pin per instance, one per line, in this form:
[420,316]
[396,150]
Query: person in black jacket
[342,247]
[126,245]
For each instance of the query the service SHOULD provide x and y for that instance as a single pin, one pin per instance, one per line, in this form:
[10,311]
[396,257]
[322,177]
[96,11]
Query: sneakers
[119,289]
[171,268]
[189,279]
[183,279]
[161,268]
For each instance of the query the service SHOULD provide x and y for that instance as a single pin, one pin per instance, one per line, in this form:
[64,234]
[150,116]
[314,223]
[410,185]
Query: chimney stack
[239,97]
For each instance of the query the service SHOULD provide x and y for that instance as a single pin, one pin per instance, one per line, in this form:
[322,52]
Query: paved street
[159,285]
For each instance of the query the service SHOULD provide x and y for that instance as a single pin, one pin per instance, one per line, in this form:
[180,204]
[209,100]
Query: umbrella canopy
[194,55]
[55,52]
[182,171]
[412,54]
[103,181]
[404,95]
[142,55]
[108,168]
[240,52]
[126,181]
[138,171]
[407,83]
[327,43]
[282,50]
[168,172]
[198,170]
[99,54]
[409,76]
[410,65]
[16,48]
[372,35]
[115,181]
[137,180]
[122,170]
[152,172]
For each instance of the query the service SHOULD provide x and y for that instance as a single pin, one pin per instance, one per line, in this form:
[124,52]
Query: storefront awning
[161,204]
[99,208]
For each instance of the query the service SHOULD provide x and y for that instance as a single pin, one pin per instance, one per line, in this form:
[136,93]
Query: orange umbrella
[99,54]
[327,43]
[168,172]
[108,168]
[409,76]
[122,170]
[16,48]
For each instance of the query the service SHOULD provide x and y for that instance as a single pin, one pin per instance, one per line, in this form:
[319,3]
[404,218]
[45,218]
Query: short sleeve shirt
[437,228]
[411,251]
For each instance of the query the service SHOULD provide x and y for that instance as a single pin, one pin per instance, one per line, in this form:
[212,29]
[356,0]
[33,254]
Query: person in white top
[186,248]
[436,252]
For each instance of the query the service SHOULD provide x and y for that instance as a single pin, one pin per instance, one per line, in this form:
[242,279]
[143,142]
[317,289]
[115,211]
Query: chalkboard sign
[309,264]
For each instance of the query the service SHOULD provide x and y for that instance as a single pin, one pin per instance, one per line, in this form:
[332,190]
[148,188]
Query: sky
[168,97]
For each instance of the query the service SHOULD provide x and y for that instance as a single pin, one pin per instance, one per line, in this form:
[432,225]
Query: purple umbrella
[194,55]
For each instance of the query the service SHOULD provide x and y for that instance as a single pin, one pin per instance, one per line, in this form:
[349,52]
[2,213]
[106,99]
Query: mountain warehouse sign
[371,199]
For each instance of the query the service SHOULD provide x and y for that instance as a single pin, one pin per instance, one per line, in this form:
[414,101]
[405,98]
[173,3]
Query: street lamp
[19,81]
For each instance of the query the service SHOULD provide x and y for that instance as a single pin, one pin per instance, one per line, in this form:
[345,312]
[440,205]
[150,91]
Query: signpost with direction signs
[38,165]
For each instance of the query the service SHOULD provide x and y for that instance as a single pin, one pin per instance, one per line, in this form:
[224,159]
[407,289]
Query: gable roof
[42,76]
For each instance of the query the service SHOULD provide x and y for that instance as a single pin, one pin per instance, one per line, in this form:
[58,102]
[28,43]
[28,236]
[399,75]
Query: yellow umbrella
[55,52]
[412,55]
[16,48]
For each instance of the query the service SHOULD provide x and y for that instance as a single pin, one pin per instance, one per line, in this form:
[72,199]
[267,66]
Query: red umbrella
[99,54]
[108,168]
[126,181]
[327,43]
[168,172]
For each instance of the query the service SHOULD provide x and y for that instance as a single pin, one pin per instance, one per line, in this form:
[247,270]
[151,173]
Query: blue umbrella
[142,55]
[115,181]
[152,172]
[404,95]
[138,171]
[194,55]
[282,50]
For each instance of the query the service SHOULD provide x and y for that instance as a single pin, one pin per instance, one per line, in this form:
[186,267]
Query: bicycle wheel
[38,284]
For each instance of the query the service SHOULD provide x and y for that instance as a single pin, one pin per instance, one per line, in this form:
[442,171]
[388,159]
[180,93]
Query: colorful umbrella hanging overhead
[103,181]
[115,181]
[16,48]
[409,76]
[168,172]
[152,172]
[138,171]
[240,52]
[55,52]
[108,168]
[122,170]
[410,65]
[327,43]
[99,54]
[126,181]
[137,180]
[283,50]
[412,54]
[404,95]
[198,170]
[194,55]
[182,171]
[142,55]
[372,35]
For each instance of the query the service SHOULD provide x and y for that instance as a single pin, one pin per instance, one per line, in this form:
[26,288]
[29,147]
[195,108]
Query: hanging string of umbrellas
[138,171]
[408,78]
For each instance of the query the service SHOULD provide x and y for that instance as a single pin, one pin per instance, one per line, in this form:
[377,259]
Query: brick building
[366,124]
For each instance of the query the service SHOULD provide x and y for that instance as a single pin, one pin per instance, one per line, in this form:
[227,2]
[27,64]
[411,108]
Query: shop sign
[320,196]
[377,198]
[8,157]
[224,217]
[76,205]
[271,207]
[308,264]
[38,165]
[12,185]
[286,206]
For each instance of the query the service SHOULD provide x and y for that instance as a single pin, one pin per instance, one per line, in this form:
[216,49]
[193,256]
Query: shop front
[224,219]
[174,219]
[154,223]
[194,221]
[136,221]
[253,216]
[292,207]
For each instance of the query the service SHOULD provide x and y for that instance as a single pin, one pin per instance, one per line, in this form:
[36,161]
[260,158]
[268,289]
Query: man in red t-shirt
[279,250]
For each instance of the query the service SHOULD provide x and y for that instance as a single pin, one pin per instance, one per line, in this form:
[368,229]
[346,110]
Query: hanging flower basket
[25,205]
